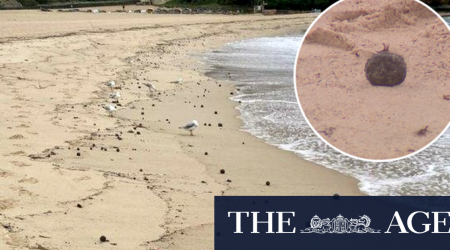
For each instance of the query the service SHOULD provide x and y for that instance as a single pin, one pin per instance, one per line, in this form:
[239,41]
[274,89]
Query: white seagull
[115,95]
[151,87]
[190,126]
[111,84]
[109,108]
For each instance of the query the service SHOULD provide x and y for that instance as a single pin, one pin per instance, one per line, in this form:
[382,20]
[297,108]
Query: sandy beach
[70,173]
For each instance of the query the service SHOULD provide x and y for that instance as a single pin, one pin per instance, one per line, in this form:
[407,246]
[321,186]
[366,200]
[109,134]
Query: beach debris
[336,196]
[228,180]
[267,183]
[385,68]
[79,205]
[423,131]
[111,84]
[103,239]
[109,108]
[78,154]
[446,97]
[215,112]
[190,126]
[206,153]
[222,171]
[220,125]
[151,87]
[115,95]
[328,131]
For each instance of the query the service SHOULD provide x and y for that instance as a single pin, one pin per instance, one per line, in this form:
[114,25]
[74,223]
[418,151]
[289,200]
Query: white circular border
[306,118]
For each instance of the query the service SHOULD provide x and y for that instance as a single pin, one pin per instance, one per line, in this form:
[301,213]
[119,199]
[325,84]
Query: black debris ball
[336,196]
[103,238]
[222,171]
[385,69]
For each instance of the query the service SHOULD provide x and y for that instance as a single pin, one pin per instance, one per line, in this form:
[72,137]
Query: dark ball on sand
[222,171]
[79,206]
[385,69]
[206,153]
[215,112]
[220,125]
[336,196]
[267,183]
[103,238]
[78,154]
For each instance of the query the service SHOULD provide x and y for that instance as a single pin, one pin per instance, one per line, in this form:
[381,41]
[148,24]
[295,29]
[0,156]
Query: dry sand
[339,102]
[157,191]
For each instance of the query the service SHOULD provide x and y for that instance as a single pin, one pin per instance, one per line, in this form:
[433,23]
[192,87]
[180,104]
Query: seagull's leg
[191,133]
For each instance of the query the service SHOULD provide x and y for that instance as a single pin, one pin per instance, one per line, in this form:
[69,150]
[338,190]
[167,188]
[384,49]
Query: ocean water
[262,69]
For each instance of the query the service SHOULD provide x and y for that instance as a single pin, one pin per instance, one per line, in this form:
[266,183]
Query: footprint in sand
[7,204]
[20,152]
[29,180]
[4,173]
[22,191]
[16,137]
[20,164]
[23,126]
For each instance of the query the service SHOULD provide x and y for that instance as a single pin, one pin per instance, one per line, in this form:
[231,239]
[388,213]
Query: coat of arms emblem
[340,225]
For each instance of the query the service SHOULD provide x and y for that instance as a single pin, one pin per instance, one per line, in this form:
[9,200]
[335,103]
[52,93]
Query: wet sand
[70,173]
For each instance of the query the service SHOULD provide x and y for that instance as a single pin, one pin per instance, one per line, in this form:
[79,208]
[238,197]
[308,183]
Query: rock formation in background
[10,4]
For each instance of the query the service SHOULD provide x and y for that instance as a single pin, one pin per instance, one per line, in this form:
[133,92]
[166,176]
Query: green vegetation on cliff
[271,4]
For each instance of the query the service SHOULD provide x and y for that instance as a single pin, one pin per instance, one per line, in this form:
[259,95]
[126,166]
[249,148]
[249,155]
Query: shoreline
[160,181]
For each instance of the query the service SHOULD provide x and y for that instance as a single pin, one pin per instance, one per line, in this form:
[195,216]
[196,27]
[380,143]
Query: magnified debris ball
[385,69]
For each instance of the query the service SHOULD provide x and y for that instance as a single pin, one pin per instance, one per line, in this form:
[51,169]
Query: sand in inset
[375,122]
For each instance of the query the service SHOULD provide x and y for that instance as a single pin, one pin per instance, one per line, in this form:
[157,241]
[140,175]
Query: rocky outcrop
[7,4]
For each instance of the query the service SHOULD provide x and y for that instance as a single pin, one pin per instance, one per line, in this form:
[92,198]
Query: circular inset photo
[372,77]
